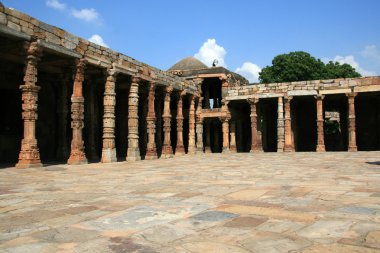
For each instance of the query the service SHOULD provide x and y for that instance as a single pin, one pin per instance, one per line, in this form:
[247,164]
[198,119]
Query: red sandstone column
[77,155]
[133,152]
[320,129]
[29,154]
[151,151]
[199,126]
[167,150]
[254,141]
[225,129]
[192,148]
[289,147]
[180,149]
[280,126]
[351,122]
[233,136]
[109,149]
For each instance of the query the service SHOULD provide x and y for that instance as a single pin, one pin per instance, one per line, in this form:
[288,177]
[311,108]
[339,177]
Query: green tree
[301,66]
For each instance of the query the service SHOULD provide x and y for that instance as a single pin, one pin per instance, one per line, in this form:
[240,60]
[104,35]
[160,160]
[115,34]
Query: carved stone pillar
[167,150]
[29,154]
[351,122]
[254,135]
[280,126]
[233,136]
[199,126]
[133,152]
[320,129]
[109,149]
[151,150]
[62,111]
[192,148]
[289,147]
[77,155]
[225,129]
[180,149]
[207,130]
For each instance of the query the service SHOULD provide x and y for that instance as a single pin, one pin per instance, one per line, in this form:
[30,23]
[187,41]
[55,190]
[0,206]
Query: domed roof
[189,63]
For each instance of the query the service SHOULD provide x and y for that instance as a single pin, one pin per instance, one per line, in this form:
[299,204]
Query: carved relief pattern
[109,102]
[77,155]
[254,144]
[288,126]
[167,150]
[191,148]
[199,126]
[179,147]
[351,121]
[133,153]
[29,154]
[151,152]
[320,130]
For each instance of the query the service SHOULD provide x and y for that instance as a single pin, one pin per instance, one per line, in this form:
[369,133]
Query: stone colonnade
[285,138]
[29,155]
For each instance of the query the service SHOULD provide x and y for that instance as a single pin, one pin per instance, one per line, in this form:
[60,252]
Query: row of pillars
[285,138]
[29,155]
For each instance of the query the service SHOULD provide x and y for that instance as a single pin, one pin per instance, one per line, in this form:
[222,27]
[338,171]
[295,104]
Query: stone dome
[189,63]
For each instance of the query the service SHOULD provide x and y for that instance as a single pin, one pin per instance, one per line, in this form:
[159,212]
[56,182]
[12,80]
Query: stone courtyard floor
[267,202]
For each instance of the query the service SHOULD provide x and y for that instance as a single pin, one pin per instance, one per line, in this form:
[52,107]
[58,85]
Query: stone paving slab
[265,202]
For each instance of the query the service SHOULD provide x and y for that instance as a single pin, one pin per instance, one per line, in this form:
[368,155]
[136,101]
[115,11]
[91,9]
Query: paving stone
[326,229]
[232,202]
[214,216]
[339,248]
[245,222]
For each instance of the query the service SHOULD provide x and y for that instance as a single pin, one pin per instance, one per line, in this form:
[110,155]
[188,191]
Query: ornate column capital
[135,79]
[253,100]
[319,97]
[168,89]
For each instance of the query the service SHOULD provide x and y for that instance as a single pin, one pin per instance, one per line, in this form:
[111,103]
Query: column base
[256,150]
[208,150]
[320,148]
[151,154]
[353,149]
[133,154]
[289,149]
[191,151]
[179,151]
[165,156]
[25,164]
[226,150]
[76,158]
[233,149]
[109,155]
[151,157]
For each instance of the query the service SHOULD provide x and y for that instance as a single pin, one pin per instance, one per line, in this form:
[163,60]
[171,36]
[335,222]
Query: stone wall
[315,87]
[17,24]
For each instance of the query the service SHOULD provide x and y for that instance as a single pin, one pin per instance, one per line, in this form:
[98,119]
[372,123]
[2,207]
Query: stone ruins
[67,100]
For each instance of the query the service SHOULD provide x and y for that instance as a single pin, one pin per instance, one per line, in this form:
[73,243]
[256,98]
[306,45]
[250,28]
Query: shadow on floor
[374,163]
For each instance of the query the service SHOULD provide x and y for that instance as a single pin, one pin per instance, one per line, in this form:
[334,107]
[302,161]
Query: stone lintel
[367,88]
[101,62]
[337,91]
[13,33]
[223,75]
[59,49]
[124,70]
[302,93]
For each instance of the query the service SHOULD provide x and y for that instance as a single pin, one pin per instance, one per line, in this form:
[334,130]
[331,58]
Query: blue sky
[243,35]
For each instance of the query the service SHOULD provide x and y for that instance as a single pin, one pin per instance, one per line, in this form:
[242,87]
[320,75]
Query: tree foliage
[301,66]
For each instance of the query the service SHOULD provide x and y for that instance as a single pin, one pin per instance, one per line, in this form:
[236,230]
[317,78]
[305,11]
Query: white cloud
[55,4]
[351,61]
[210,51]
[371,52]
[86,14]
[250,71]
[97,39]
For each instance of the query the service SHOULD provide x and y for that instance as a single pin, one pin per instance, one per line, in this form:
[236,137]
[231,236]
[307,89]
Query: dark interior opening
[93,90]
[241,123]
[212,93]
[335,122]
[11,125]
[173,121]
[214,135]
[159,110]
[142,113]
[185,112]
[305,123]
[367,110]
[121,120]
[268,117]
